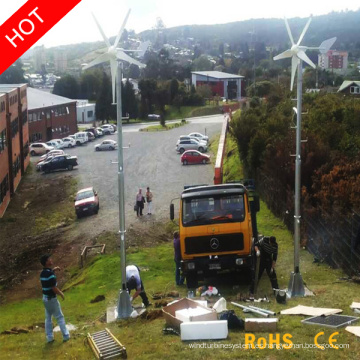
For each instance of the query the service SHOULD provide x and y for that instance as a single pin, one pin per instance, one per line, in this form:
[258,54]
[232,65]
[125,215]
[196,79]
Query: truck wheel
[32,153]
[201,149]
[191,281]
[70,167]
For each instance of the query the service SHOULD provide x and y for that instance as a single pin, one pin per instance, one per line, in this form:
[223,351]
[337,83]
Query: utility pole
[124,307]
[296,285]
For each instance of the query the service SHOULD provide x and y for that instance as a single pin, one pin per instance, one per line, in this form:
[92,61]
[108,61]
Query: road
[150,161]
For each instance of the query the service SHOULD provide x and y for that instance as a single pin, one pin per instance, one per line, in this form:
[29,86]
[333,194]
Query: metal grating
[106,346]
[331,321]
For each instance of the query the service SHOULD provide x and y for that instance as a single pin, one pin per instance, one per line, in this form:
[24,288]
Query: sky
[79,26]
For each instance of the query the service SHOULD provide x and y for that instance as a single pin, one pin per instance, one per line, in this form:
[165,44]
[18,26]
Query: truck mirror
[172,212]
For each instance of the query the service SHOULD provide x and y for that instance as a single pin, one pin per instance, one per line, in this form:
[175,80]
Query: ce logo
[331,340]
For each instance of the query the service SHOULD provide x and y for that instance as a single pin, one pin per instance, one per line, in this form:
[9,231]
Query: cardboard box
[169,312]
[261,325]
[190,314]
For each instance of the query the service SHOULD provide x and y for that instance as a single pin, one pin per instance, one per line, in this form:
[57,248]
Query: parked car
[59,162]
[73,137]
[100,131]
[60,143]
[187,137]
[40,149]
[199,136]
[190,145]
[53,153]
[107,129]
[194,157]
[81,138]
[114,126]
[86,201]
[94,131]
[54,144]
[106,145]
[154,117]
[40,164]
[69,142]
[90,135]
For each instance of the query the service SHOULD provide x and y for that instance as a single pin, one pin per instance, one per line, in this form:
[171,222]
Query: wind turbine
[297,54]
[114,53]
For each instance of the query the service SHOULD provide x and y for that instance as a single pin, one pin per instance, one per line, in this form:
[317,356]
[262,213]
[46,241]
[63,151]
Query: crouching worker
[268,248]
[51,303]
[133,282]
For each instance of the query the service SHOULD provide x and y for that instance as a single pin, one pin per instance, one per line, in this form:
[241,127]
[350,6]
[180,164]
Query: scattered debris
[168,330]
[98,299]
[355,305]
[258,312]
[234,322]
[151,315]
[211,290]
[310,311]
[70,327]
[160,303]
[220,305]
[159,295]
[15,331]
[354,330]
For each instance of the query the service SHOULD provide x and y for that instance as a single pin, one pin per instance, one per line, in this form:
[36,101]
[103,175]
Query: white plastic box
[204,330]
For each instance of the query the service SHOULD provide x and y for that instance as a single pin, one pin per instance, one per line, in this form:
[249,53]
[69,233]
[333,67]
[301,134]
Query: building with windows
[333,60]
[85,111]
[225,85]
[14,140]
[50,116]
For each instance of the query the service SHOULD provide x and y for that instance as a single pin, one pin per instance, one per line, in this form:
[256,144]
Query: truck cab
[217,227]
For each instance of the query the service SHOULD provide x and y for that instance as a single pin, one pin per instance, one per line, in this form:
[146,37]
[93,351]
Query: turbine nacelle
[297,52]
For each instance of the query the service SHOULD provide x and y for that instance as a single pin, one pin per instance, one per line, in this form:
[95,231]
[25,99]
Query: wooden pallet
[106,346]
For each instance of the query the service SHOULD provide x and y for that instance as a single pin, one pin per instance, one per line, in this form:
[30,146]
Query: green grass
[154,128]
[144,339]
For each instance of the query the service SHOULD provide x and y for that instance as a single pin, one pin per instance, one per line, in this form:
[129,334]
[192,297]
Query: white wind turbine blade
[122,56]
[100,59]
[143,48]
[294,65]
[289,32]
[121,29]
[326,45]
[304,31]
[101,31]
[283,55]
[301,54]
[113,66]
[295,110]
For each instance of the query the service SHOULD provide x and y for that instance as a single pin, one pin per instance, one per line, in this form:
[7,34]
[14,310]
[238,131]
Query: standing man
[149,197]
[268,248]
[51,303]
[134,282]
[177,257]
[139,202]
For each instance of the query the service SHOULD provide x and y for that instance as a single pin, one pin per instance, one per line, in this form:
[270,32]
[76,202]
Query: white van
[81,138]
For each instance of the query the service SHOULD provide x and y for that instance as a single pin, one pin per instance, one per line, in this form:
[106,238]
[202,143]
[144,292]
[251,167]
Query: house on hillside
[225,85]
[350,87]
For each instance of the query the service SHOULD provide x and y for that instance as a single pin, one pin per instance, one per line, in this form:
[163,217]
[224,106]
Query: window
[26,150]
[4,188]
[30,117]
[90,113]
[14,127]
[16,166]
[2,106]
[2,140]
[48,115]
[354,90]
[35,137]
[24,117]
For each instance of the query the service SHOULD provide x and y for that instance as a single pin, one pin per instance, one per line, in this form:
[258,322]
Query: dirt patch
[151,315]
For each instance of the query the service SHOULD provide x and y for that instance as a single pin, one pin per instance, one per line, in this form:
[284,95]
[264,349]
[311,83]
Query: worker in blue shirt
[51,303]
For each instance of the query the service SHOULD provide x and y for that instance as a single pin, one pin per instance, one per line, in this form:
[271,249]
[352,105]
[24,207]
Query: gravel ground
[150,161]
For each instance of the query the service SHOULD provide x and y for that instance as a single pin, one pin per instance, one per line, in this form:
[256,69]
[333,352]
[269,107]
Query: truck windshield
[213,210]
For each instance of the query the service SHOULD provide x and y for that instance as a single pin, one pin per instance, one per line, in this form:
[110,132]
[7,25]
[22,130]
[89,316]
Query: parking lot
[151,161]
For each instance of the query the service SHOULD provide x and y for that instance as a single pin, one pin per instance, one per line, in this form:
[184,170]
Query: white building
[85,112]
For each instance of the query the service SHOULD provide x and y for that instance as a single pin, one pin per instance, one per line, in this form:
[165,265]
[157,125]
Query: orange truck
[217,226]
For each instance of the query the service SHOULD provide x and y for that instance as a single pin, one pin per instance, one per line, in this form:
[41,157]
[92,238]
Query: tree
[134,71]
[204,91]
[103,103]
[90,84]
[174,89]
[67,86]
[147,89]
[202,64]
[14,74]
[129,102]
